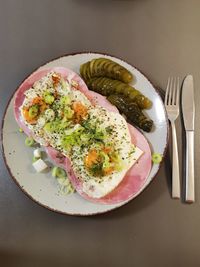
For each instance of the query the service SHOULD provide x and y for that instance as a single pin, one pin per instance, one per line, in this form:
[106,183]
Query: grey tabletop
[161,38]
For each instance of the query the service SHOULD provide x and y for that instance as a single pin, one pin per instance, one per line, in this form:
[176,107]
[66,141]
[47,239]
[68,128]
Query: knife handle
[190,195]
[175,164]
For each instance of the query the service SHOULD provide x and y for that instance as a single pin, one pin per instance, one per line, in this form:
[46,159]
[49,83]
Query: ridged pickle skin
[100,67]
[97,66]
[132,112]
[108,86]
[84,71]
[88,73]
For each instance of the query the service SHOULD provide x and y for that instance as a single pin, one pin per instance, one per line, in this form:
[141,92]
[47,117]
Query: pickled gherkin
[104,67]
[85,71]
[131,110]
[106,87]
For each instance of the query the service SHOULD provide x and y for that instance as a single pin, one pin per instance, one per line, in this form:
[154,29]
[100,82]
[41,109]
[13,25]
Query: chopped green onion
[34,159]
[68,113]
[33,111]
[70,189]
[58,172]
[49,127]
[54,171]
[65,100]
[48,98]
[63,83]
[106,160]
[29,141]
[156,158]
[66,189]
[85,137]
[63,181]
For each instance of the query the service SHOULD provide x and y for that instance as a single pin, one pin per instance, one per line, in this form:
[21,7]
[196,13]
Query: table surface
[161,38]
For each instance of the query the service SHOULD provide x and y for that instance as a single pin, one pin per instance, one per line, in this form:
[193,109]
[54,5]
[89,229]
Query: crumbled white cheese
[40,165]
[37,153]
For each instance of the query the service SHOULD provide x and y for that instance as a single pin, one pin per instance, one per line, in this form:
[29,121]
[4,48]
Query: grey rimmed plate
[42,187]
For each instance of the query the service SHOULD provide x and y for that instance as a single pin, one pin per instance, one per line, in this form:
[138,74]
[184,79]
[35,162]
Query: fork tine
[167,91]
[174,93]
[170,91]
[177,91]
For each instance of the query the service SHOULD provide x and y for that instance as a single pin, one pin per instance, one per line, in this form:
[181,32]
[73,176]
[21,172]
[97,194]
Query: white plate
[42,188]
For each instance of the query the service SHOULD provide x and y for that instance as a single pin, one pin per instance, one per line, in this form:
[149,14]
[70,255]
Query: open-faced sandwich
[82,132]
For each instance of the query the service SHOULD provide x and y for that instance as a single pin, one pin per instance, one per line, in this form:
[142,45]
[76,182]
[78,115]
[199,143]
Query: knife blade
[188,107]
[188,110]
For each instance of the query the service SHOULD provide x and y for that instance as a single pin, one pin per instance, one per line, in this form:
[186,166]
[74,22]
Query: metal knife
[188,109]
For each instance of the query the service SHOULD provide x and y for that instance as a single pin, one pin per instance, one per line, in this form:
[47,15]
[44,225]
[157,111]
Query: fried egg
[79,132]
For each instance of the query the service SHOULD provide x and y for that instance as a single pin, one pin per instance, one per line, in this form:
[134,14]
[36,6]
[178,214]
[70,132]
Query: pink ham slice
[137,174]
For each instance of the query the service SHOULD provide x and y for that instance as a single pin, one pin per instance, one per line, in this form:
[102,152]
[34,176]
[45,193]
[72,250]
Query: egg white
[99,187]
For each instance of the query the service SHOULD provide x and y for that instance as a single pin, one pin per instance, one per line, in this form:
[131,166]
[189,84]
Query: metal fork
[172,106]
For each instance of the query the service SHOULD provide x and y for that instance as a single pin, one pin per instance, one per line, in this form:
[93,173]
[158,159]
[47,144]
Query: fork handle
[175,164]
[189,167]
